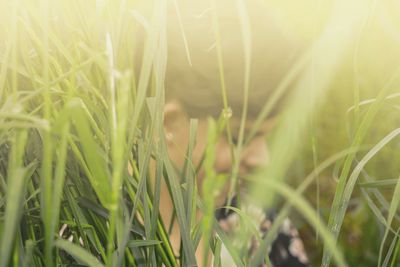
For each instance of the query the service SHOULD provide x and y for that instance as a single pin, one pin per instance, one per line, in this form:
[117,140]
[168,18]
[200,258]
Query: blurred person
[193,90]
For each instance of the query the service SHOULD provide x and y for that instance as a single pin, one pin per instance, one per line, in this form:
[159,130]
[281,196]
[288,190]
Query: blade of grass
[46,168]
[376,210]
[3,70]
[14,197]
[356,74]
[59,174]
[396,253]
[247,42]
[212,183]
[12,215]
[143,243]
[336,218]
[177,198]
[29,247]
[217,252]
[378,195]
[379,184]
[178,13]
[189,175]
[390,251]
[394,204]
[78,252]
[95,163]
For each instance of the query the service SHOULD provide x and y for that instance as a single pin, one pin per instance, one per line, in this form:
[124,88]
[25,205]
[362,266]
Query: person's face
[177,125]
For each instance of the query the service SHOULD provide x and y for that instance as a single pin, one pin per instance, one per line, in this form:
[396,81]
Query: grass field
[81,99]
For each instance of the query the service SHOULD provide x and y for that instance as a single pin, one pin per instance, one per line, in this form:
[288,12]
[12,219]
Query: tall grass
[81,121]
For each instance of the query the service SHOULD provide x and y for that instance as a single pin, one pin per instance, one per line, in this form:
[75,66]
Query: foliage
[81,106]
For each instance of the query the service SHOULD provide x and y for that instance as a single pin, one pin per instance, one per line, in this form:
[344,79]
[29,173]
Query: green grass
[81,99]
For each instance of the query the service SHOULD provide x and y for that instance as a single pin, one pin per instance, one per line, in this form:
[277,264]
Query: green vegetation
[75,113]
